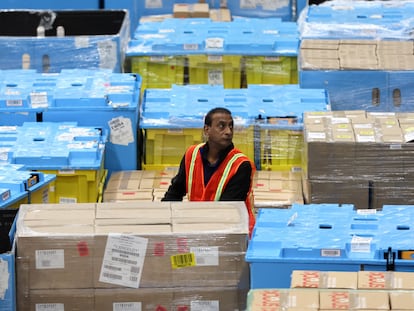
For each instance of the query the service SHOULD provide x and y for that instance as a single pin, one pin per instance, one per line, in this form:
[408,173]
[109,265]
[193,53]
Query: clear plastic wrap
[156,246]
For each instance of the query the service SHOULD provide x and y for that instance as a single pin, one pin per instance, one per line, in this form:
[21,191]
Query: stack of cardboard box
[149,256]
[357,157]
[313,290]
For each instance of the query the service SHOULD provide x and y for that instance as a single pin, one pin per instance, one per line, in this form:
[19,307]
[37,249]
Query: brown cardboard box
[403,280]
[122,184]
[324,279]
[319,54]
[58,299]
[391,280]
[307,63]
[337,191]
[127,175]
[181,10]
[353,299]
[132,245]
[220,15]
[133,213]
[174,298]
[203,243]
[395,47]
[200,10]
[374,279]
[319,44]
[54,242]
[128,196]
[135,299]
[283,299]
[184,10]
[401,300]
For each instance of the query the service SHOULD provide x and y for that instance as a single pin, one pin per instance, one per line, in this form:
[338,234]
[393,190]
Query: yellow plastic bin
[41,188]
[271,69]
[76,186]
[215,70]
[166,147]
[281,148]
[158,71]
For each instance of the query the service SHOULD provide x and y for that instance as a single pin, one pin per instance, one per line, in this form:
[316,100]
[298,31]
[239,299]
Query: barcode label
[366,211]
[153,4]
[127,306]
[215,58]
[112,276]
[50,259]
[107,51]
[38,100]
[205,305]
[64,200]
[395,146]
[206,255]
[183,260]
[50,307]
[214,43]
[4,277]
[361,244]
[123,260]
[157,59]
[215,77]
[14,103]
[331,253]
[190,47]
[272,58]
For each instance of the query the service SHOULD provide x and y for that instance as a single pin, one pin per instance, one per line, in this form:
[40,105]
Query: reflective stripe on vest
[223,179]
[192,165]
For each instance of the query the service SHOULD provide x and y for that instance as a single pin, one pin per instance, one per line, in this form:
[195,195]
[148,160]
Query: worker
[215,170]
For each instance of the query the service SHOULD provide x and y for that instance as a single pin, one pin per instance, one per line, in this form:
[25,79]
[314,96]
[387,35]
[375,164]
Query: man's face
[220,133]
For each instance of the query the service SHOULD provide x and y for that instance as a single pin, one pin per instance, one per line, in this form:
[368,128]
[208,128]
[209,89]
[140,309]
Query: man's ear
[205,133]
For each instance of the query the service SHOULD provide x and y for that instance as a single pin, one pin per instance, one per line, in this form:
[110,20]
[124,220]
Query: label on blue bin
[330,253]
[14,103]
[214,43]
[121,131]
[4,278]
[361,244]
[38,99]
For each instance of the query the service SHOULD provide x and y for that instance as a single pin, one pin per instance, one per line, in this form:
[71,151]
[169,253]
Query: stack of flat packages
[138,185]
[149,255]
[358,157]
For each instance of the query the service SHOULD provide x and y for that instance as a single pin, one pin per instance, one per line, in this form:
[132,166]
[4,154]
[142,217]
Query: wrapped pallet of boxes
[362,54]
[145,254]
[357,157]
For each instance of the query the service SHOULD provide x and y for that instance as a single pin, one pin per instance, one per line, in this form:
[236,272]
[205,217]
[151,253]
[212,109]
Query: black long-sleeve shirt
[236,189]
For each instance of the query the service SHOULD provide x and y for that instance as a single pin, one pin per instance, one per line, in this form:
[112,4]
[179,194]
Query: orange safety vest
[196,190]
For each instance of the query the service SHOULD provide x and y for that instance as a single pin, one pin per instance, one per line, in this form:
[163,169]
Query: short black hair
[209,116]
